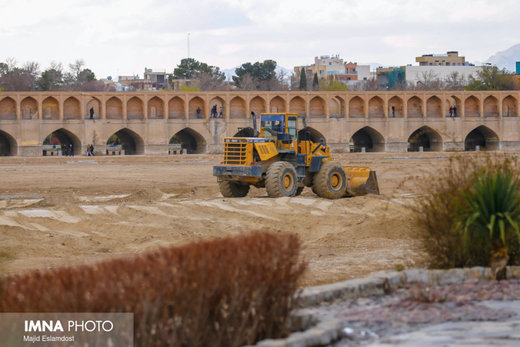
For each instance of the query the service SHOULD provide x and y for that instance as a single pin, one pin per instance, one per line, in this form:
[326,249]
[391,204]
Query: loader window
[291,127]
[272,127]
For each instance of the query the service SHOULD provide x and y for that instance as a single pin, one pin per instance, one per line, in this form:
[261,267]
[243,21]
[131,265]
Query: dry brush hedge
[224,292]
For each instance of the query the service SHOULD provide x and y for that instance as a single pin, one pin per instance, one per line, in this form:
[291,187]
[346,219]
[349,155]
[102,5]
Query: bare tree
[366,85]
[455,81]
[248,82]
[211,81]
[13,78]
[428,80]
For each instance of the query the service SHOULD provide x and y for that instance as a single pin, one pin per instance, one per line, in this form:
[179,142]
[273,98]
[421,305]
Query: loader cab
[282,127]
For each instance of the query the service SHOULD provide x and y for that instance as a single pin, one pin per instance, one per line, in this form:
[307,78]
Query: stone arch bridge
[153,122]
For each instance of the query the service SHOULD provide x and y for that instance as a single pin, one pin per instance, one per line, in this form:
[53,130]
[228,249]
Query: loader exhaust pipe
[255,129]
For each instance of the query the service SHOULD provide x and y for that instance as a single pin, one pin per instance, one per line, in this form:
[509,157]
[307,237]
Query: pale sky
[121,37]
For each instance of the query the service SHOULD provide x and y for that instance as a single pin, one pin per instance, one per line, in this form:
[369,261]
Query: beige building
[326,66]
[451,58]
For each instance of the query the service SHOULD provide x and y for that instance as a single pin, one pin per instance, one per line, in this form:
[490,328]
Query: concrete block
[452,276]
[417,275]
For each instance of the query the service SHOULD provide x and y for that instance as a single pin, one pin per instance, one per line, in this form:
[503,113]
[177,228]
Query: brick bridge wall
[375,121]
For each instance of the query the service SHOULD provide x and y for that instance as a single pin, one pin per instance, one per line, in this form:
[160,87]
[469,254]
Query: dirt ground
[62,211]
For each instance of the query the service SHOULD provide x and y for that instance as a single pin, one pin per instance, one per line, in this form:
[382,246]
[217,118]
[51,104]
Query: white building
[334,65]
[415,74]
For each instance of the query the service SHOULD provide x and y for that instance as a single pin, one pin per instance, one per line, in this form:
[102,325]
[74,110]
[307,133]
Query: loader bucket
[362,181]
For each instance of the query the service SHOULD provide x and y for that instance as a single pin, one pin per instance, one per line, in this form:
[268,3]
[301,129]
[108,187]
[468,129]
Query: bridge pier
[453,146]
[397,147]
[155,149]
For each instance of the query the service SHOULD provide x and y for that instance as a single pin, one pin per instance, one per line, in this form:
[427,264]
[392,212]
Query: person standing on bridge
[220,112]
[92,113]
[198,112]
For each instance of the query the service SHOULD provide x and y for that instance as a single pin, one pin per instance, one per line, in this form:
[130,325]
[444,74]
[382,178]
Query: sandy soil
[61,211]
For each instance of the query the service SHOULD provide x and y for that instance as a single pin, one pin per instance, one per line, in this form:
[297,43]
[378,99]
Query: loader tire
[233,190]
[280,180]
[331,181]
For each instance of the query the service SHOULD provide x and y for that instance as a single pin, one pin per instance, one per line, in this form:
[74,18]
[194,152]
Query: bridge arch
[297,105]
[433,107]
[155,108]
[51,108]
[192,141]
[509,106]
[63,137]
[257,105]
[309,133]
[114,108]
[195,103]
[176,108]
[7,109]
[218,102]
[135,108]
[245,132]
[356,107]
[29,108]
[237,108]
[453,101]
[414,107]
[425,137]
[131,142]
[491,106]
[95,104]
[395,107]
[337,107]
[277,104]
[71,108]
[471,107]
[317,107]
[376,108]
[481,136]
[8,146]
[368,138]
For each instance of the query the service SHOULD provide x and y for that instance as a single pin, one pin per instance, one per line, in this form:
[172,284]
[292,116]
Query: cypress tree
[315,83]
[303,80]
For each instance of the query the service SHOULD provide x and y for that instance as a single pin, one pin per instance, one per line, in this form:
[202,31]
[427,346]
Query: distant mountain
[506,59]
[231,72]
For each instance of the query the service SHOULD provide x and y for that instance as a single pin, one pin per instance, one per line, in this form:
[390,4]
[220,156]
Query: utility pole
[189,72]
[188,45]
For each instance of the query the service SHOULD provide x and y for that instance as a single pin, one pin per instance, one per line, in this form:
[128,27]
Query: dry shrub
[442,212]
[426,294]
[225,292]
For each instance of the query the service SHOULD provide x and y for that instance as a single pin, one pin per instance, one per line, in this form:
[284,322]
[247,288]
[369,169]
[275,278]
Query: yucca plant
[491,216]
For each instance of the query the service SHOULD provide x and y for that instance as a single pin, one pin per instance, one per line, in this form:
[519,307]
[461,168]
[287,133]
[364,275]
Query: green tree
[52,78]
[491,78]
[192,87]
[332,85]
[315,82]
[303,80]
[263,74]
[190,68]
[209,77]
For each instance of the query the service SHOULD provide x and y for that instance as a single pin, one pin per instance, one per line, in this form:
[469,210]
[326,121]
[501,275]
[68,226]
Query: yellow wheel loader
[284,161]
